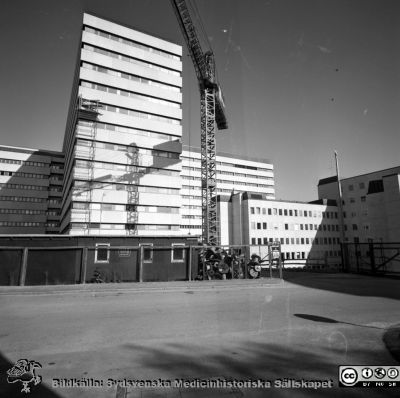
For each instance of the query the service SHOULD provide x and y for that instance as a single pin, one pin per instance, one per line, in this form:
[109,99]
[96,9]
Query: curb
[136,287]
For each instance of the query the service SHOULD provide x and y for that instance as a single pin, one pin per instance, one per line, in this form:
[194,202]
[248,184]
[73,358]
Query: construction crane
[212,112]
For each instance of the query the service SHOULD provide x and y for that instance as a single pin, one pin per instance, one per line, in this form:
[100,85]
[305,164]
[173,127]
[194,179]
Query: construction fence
[375,258]
[104,263]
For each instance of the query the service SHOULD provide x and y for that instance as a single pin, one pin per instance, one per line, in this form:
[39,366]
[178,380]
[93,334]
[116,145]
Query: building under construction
[122,142]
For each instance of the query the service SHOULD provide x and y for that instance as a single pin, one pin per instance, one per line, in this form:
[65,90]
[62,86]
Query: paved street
[303,328]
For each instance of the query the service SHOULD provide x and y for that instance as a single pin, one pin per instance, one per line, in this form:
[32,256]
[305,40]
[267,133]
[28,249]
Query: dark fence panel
[372,258]
[165,264]
[10,267]
[53,267]
[196,264]
[113,265]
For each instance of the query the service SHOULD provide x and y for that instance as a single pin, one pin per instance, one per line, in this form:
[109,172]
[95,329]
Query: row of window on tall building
[219,163]
[85,186]
[297,241]
[236,183]
[293,227]
[131,43]
[130,94]
[141,115]
[23,199]
[28,187]
[127,149]
[221,191]
[23,175]
[128,76]
[141,170]
[140,227]
[247,184]
[132,60]
[124,207]
[24,162]
[23,211]
[229,173]
[319,255]
[28,224]
[293,212]
[126,130]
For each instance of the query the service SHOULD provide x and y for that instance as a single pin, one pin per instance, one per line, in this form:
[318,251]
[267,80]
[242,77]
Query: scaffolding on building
[88,111]
[133,192]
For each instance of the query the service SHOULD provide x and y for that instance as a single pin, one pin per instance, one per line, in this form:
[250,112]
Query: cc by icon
[348,376]
[367,373]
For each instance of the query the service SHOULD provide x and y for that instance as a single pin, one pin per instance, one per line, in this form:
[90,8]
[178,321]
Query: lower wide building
[305,231]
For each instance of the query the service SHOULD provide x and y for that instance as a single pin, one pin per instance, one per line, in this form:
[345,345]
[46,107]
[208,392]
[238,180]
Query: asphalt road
[303,328]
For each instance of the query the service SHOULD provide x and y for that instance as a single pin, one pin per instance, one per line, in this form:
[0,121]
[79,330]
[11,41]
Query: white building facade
[234,173]
[123,169]
[305,230]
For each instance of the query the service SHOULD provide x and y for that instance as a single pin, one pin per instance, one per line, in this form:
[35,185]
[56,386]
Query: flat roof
[32,151]
[329,180]
[264,197]
[93,14]
[229,155]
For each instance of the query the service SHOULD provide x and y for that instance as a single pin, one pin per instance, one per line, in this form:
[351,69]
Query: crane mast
[212,113]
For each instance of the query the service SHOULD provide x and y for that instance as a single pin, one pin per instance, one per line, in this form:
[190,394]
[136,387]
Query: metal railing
[374,258]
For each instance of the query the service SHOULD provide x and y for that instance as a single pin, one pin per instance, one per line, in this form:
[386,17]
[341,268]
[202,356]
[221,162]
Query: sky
[301,78]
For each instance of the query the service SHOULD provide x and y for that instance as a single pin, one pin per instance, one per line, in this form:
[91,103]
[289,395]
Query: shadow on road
[322,319]
[358,285]
[253,360]
[11,390]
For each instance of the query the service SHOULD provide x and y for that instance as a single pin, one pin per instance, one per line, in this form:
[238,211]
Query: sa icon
[348,376]
[392,373]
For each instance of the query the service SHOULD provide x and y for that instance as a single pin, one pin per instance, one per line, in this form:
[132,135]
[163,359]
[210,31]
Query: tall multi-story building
[122,142]
[30,190]
[371,204]
[234,173]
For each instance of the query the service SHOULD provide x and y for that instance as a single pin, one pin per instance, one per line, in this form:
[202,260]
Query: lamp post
[341,215]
